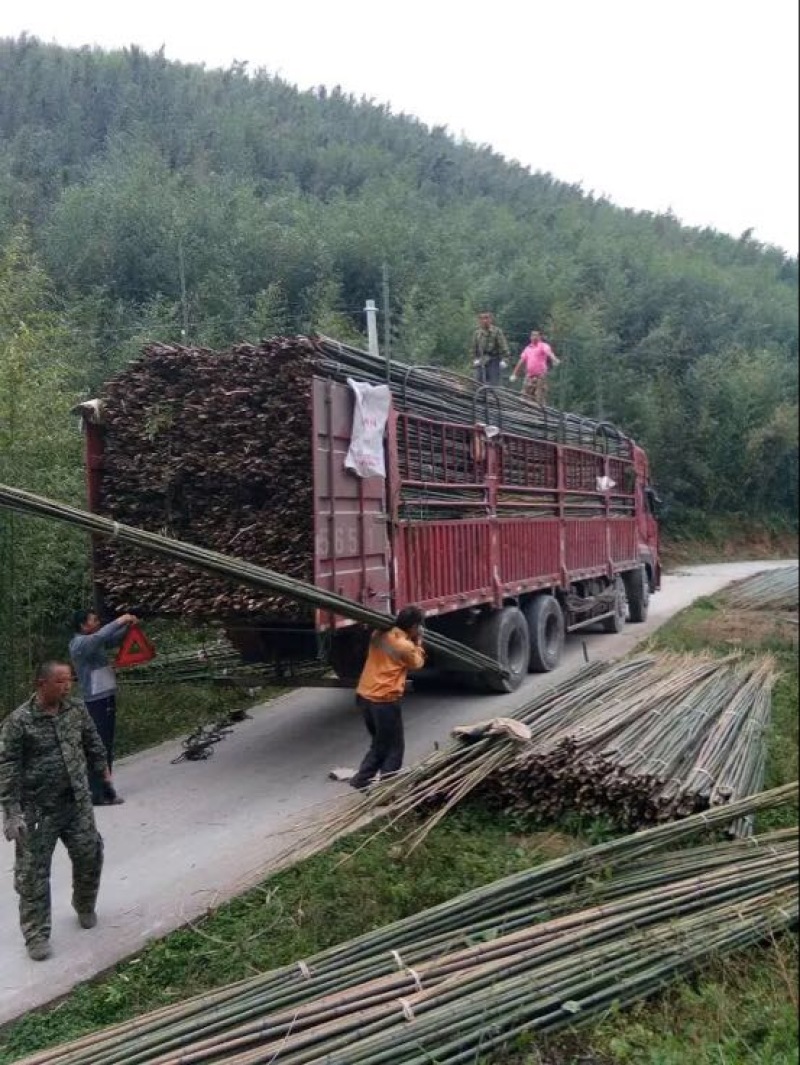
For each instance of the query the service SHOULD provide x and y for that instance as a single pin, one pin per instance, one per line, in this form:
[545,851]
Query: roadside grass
[705,539]
[740,1010]
[149,714]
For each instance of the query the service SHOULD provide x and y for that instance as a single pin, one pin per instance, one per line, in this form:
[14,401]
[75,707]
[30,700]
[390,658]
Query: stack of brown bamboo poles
[552,946]
[215,448]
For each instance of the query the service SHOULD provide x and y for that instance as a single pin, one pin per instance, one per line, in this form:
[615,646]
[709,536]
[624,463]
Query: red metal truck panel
[529,552]
[623,540]
[351,553]
[531,513]
[444,564]
[585,544]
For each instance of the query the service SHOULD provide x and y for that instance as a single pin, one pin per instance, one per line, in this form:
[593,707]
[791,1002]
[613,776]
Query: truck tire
[503,635]
[616,623]
[546,627]
[637,589]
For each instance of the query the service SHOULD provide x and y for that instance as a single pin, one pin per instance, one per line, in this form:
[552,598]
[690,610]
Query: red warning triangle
[134,649]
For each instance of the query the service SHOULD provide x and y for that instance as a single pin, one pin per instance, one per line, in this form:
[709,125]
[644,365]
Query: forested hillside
[140,198]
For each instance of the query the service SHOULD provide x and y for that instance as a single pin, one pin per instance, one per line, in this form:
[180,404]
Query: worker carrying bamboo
[489,350]
[383,680]
[536,358]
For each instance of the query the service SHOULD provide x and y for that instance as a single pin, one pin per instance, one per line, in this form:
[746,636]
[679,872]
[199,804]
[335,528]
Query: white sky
[688,105]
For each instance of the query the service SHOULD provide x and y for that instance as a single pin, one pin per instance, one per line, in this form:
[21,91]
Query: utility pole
[371,312]
[184,304]
[387,334]
[599,393]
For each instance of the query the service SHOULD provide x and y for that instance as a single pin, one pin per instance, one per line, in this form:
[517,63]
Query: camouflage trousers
[535,388]
[77,830]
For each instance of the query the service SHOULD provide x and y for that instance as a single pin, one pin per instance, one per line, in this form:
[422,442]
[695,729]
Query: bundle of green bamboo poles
[639,741]
[552,946]
[244,572]
[218,662]
[772,589]
[443,394]
[187,664]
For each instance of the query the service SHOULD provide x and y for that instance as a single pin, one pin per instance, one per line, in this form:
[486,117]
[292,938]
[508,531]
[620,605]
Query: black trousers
[489,374]
[104,714]
[384,723]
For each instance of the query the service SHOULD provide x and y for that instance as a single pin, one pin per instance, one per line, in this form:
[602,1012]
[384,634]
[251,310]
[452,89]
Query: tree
[42,567]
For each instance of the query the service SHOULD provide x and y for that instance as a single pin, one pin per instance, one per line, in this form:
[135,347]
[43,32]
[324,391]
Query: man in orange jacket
[380,689]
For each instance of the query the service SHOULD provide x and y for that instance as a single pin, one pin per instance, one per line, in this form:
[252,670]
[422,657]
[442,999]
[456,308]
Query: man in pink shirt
[537,358]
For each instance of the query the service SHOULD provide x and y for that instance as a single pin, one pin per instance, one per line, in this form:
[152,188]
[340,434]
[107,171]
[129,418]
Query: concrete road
[194,834]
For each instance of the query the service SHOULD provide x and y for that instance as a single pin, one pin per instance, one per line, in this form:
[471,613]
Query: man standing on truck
[489,350]
[98,684]
[45,747]
[537,358]
[383,680]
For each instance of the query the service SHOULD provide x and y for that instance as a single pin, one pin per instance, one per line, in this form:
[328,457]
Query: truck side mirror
[655,503]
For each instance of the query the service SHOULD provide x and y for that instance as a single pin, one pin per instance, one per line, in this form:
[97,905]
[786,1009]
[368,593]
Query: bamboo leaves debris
[552,946]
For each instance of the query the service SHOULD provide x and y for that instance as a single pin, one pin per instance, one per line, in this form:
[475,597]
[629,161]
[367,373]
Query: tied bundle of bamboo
[640,741]
[438,392]
[772,589]
[551,946]
[695,739]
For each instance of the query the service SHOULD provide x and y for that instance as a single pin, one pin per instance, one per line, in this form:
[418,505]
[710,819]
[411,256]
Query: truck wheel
[637,589]
[546,626]
[616,623]
[503,635]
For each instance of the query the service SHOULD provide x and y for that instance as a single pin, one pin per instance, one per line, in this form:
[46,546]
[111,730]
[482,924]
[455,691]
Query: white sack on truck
[365,454]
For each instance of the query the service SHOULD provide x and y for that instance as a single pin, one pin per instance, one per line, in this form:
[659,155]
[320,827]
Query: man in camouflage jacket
[489,350]
[45,746]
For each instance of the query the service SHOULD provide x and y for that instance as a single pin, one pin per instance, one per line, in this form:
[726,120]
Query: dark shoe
[39,950]
[87,920]
[116,801]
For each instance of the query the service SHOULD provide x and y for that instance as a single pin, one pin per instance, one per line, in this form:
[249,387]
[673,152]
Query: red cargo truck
[506,541]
